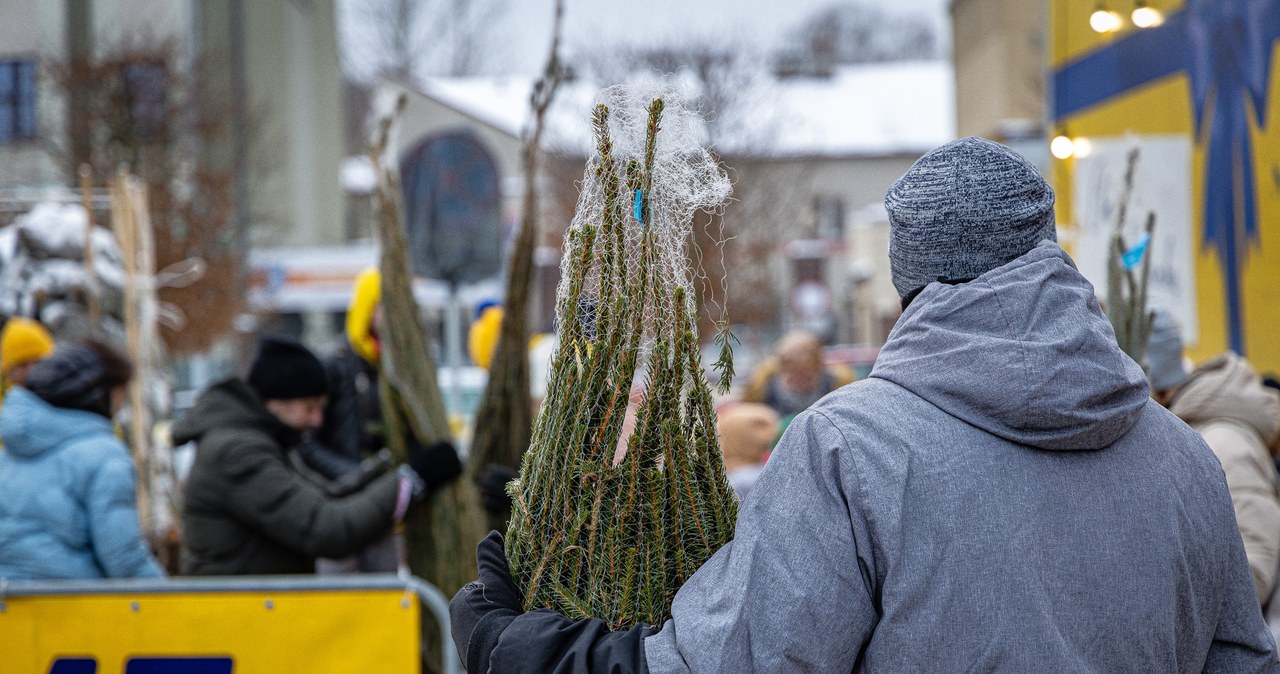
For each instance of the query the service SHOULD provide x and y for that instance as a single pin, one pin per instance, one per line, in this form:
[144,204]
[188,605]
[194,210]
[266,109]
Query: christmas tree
[618,502]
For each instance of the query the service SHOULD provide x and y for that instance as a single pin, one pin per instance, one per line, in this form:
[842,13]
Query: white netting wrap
[685,179]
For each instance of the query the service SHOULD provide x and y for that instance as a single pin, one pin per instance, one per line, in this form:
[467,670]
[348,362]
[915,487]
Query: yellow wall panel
[260,632]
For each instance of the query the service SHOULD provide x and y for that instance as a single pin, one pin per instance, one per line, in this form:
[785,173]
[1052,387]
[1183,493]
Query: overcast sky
[523,33]
[759,23]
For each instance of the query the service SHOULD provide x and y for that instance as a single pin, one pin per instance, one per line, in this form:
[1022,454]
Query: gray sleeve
[793,591]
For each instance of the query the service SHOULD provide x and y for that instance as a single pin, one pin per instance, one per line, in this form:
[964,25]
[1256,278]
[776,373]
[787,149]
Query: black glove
[485,607]
[437,463]
[493,488]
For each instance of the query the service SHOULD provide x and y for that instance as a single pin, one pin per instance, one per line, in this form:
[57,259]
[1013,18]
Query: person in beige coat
[1224,400]
[795,377]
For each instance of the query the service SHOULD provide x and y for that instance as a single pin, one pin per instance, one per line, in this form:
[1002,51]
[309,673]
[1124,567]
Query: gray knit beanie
[964,209]
[1164,353]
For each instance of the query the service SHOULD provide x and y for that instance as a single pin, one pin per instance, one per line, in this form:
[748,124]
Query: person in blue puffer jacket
[67,486]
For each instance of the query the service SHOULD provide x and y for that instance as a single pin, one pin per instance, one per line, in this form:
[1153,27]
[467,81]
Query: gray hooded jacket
[1000,494]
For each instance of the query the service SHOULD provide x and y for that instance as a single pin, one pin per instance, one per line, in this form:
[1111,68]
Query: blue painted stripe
[178,666]
[74,666]
[1136,59]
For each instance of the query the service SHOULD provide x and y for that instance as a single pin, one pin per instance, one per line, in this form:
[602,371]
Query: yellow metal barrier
[368,623]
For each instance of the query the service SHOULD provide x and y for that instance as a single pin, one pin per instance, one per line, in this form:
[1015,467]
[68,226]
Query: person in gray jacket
[1000,494]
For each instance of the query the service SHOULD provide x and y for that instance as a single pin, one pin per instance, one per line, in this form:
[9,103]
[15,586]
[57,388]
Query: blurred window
[830,216]
[17,100]
[146,87]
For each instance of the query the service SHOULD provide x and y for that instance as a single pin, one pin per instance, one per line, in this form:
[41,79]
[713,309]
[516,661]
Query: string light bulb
[1146,16]
[1081,147]
[1104,20]
[1061,147]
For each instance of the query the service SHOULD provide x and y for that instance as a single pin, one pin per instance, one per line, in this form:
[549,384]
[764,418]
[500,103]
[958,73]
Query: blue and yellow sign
[203,632]
[1195,95]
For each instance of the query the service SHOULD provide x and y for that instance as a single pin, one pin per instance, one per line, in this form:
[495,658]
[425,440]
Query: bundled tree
[506,410]
[1127,291]
[608,521]
[729,85]
[451,520]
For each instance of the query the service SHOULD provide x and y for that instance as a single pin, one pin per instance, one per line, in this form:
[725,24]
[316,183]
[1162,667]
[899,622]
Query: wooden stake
[128,207]
[90,273]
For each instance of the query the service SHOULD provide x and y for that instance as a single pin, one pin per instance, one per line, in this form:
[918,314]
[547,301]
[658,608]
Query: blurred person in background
[67,484]
[747,433]
[247,509]
[23,342]
[348,449]
[794,377]
[350,445]
[1270,381]
[351,442]
[352,430]
[1224,400]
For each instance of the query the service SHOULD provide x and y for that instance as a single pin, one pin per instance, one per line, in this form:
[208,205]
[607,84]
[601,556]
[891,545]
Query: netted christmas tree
[611,512]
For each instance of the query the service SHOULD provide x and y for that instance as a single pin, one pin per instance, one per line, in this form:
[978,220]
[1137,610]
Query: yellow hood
[362,334]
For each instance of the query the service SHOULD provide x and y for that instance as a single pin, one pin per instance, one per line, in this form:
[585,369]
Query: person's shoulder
[867,401]
[96,445]
[863,413]
[226,446]
[98,459]
[1171,442]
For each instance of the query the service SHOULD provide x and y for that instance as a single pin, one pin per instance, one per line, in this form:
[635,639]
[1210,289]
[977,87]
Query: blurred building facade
[1133,99]
[278,59]
[1173,114]
[998,50]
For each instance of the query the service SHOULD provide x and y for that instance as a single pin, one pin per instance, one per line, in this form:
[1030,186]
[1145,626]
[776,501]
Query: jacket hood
[230,403]
[30,426]
[1227,387]
[1022,352]
[362,334]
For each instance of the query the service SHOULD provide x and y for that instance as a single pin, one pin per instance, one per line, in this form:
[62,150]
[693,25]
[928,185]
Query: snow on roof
[503,103]
[874,109]
[879,109]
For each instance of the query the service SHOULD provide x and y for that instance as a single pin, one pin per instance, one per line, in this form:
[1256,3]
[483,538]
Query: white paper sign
[1161,185]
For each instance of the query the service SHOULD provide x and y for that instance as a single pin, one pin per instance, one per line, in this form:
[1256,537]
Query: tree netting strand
[614,510]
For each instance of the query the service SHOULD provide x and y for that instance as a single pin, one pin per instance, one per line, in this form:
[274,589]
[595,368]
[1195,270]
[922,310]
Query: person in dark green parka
[247,509]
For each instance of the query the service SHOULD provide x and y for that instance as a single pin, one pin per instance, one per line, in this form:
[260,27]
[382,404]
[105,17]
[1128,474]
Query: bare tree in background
[407,39]
[842,34]
[730,85]
[139,106]
[768,210]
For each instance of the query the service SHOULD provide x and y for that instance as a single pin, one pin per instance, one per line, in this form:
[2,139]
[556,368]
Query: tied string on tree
[618,501]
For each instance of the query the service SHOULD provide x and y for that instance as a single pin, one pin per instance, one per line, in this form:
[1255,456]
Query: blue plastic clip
[637,210]
[1133,256]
